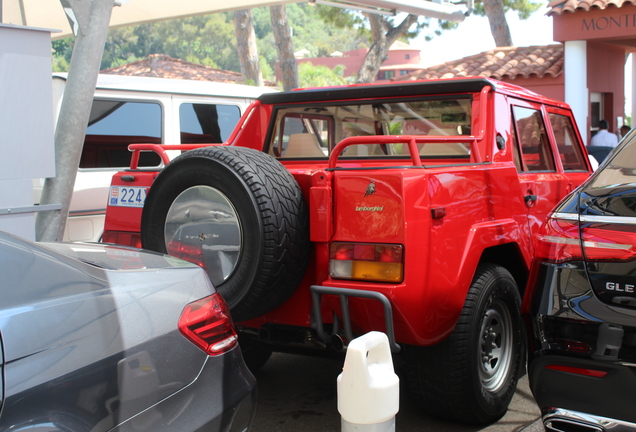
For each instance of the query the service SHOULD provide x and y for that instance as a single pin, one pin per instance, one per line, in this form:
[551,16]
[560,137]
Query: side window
[515,149]
[302,136]
[113,125]
[532,140]
[565,136]
[207,123]
[289,126]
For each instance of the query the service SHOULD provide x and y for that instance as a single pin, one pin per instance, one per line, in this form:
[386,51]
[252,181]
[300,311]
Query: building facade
[597,35]
[402,60]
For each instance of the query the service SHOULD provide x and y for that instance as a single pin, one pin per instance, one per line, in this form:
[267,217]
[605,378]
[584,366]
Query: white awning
[50,14]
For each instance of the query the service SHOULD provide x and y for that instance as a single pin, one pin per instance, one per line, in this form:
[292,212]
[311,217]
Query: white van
[129,110]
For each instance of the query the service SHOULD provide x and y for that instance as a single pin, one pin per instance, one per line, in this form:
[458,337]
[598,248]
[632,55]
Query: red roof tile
[164,66]
[502,62]
[558,7]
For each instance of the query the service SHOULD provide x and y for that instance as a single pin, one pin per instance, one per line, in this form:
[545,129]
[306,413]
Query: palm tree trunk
[246,47]
[383,37]
[284,47]
[498,24]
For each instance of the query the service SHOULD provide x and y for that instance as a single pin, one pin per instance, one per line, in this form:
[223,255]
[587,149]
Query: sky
[473,36]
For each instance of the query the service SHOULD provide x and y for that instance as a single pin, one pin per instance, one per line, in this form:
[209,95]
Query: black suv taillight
[207,323]
[570,237]
[605,239]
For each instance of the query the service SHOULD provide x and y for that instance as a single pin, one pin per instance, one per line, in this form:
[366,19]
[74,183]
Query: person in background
[624,130]
[603,137]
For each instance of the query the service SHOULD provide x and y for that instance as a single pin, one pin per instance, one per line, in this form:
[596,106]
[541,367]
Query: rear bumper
[582,353]
[591,389]
[561,420]
[344,295]
[222,398]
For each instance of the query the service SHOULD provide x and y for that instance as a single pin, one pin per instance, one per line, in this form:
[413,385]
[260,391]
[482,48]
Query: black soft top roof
[373,91]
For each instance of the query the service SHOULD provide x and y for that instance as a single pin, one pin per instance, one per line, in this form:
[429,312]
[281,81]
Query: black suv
[580,304]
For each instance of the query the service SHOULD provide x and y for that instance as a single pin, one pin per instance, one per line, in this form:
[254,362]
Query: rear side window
[569,151]
[303,135]
[313,131]
[113,125]
[207,123]
[532,140]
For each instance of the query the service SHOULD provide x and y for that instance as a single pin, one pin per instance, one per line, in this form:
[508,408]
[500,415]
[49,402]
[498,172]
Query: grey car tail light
[207,323]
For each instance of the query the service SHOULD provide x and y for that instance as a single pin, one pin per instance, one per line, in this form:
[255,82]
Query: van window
[207,123]
[113,125]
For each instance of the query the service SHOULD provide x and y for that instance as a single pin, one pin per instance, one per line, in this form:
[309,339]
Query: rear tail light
[366,261]
[608,242]
[579,371]
[207,323]
[122,238]
[558,240]
[562,238]
[187,252]
[574,346]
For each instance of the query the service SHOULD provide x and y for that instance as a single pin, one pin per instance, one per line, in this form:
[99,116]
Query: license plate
[122,196]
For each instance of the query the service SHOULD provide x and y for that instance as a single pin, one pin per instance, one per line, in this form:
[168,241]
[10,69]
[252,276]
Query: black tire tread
[281,210]
[439,376]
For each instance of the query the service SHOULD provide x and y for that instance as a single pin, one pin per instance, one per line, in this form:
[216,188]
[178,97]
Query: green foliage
[62,50]
[210,39]
[311,31]
[340,18]
[524,8]
[442,26]
[204,39]
[266,69]
[60,64]
[320,76]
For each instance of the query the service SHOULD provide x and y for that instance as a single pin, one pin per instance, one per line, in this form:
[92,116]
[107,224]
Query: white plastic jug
[368,388]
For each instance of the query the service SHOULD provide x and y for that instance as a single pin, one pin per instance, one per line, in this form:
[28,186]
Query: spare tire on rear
[239,214]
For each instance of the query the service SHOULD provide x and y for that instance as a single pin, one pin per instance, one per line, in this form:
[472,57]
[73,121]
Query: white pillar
[576,91]
[633,94]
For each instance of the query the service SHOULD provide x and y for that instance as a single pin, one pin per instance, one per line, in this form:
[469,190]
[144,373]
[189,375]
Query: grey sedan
[99,338]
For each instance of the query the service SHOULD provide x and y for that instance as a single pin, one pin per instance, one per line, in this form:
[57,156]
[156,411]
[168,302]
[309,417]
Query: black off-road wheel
[239,214]
[471,376]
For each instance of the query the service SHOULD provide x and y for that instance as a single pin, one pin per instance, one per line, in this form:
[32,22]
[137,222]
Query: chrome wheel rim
[203,226]
[496,347]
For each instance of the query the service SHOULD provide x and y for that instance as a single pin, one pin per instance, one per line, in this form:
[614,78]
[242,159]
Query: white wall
[26,123]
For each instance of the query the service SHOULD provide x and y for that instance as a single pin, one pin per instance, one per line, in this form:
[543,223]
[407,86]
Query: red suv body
[408,208]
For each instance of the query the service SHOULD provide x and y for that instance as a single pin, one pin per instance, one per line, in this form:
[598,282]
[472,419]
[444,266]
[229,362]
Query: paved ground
[298,394]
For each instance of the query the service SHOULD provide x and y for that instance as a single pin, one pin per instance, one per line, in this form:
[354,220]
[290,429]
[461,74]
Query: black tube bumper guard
[344,294]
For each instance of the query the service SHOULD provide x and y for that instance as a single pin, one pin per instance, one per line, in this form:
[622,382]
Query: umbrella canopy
[50,13]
